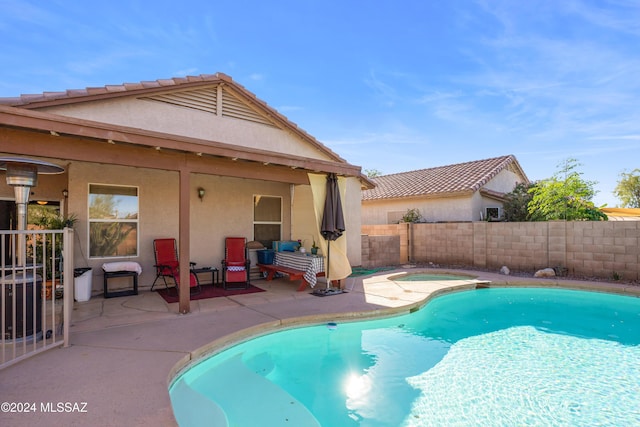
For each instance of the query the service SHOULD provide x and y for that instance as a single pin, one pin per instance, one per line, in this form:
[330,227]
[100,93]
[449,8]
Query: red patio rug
[208,291]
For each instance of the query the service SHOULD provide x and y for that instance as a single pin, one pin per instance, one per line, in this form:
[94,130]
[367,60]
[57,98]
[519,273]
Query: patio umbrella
[332,218]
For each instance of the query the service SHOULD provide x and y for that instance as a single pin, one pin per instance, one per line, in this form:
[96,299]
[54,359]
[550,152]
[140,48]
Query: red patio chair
[193,281]
[166,253]
[235,265]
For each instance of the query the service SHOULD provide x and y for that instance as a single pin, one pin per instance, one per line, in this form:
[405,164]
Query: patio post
[184,227]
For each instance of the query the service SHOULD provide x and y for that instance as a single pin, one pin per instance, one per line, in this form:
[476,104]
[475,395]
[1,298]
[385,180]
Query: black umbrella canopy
[332,217]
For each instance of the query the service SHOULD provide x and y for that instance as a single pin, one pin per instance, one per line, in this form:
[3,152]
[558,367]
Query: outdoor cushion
[110,267]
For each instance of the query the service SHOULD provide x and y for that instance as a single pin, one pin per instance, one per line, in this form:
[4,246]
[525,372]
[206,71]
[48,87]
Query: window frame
[492,218]
[279,223]
[135,220]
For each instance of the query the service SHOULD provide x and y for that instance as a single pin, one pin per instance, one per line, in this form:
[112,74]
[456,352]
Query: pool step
[249,399]
[192,409]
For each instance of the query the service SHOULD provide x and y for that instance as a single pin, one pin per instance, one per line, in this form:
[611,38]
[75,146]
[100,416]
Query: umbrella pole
[328,263]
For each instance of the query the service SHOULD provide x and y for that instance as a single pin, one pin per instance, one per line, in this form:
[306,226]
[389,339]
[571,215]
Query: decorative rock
[545,272]
[505,270]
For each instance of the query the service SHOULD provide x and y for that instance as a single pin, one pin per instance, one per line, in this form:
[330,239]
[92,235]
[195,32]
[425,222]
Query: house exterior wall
[353,220]
[171,119]
[432,210]
[226,210]
[478,203]
[504,182]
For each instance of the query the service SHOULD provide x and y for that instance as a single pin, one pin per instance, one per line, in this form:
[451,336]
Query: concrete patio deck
[124,350]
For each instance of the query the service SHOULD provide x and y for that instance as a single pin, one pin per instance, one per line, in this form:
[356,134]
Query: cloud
[381,90]
[401,136]
[617,137]
[620,16]
[25,12]
[543,84]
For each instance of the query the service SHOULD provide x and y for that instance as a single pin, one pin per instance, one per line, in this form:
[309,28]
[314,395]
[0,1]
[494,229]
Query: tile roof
[76,95]
[70,96]
[458,178]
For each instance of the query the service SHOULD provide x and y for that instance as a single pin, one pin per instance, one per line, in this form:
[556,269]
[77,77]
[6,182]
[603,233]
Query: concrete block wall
[442,243]
[557,244]
[365,257]
[518,245]
[401,230]
[611,247]
[380,251]
[587,248]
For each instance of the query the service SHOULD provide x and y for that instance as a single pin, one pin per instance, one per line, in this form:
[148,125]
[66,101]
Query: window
[267,219]
[394,217]
[494,214]
[113,221]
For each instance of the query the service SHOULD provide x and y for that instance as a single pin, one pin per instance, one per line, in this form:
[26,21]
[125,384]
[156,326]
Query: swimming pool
[497,356]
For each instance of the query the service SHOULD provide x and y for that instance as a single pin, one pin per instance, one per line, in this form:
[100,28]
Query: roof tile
[76,92]
[133,86]
[456,178]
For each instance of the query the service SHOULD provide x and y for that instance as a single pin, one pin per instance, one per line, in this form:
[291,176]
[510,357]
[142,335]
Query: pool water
[498,356]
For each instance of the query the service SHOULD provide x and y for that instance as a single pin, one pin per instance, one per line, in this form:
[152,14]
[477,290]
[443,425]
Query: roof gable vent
[203,99]
[236,108]
[209,99]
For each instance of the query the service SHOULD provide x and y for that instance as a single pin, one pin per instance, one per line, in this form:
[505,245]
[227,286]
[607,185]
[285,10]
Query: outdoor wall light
[65,193]
[201,193]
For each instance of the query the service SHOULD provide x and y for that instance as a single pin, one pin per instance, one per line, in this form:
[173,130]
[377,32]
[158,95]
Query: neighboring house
[622,214]
[471,191]
[195,158]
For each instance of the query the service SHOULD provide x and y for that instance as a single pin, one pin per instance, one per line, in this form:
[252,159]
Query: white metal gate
[36,298]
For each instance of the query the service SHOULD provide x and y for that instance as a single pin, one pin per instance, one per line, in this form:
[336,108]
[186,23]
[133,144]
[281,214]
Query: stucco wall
[353,220]
[226,210]
[441,209]
[504,182]
[172,119]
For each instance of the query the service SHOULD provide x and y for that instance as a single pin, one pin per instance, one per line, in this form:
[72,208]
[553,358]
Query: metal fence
[36,292]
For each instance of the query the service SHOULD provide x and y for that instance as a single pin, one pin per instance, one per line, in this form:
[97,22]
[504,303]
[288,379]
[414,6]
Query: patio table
[312,265]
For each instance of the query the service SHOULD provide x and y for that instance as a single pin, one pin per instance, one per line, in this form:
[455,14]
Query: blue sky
[389,85]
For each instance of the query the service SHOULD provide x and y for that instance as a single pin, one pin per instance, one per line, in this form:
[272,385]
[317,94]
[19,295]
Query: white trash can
[82,284]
